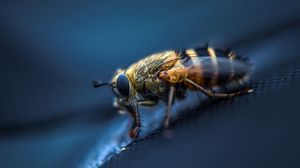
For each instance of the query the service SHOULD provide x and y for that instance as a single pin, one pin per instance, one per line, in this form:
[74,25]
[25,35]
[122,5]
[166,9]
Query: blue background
[50,116]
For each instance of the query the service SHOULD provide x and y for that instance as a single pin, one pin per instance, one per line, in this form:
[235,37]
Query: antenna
[97,84]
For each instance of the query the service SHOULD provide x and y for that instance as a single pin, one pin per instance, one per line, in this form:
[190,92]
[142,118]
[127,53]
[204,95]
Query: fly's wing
[223,67]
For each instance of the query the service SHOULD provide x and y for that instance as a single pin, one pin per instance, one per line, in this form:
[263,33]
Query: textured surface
[252,131]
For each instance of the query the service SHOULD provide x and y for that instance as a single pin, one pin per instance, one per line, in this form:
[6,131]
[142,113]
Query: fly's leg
[169,106]
[134,113]
[135,128]
[217,95]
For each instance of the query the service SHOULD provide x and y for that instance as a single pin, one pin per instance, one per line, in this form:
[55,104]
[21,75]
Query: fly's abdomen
[213,70]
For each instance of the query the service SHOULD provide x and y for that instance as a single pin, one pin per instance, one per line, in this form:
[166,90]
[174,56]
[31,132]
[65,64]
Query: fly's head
[122,88]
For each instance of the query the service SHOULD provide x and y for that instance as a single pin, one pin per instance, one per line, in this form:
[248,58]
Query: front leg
[123,105]
[136,126]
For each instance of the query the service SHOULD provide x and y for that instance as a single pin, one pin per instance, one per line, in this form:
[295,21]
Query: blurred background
[50,51]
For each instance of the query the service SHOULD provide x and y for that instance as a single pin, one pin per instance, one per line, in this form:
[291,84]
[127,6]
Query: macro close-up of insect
[166,76]
[164,84]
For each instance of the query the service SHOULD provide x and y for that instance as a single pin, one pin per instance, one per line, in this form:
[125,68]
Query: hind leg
[217,95]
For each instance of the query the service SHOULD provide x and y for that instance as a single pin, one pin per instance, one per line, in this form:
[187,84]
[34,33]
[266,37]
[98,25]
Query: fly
[167,75]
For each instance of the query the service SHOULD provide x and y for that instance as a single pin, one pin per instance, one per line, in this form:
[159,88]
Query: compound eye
[122,85]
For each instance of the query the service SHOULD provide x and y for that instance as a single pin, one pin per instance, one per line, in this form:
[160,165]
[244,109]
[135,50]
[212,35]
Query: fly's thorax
[147,85]
[154,63]
[142,76]
[154,87]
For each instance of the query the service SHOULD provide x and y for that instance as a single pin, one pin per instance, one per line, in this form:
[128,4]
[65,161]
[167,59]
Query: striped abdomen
[207,70]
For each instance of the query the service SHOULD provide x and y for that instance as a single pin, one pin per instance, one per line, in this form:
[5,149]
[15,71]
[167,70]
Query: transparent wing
[223,66]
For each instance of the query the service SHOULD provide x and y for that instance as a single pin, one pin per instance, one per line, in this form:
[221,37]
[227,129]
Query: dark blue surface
[257,130]
[50,116]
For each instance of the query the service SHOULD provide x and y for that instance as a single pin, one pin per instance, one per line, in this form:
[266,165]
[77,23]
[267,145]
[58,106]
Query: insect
[166,76]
